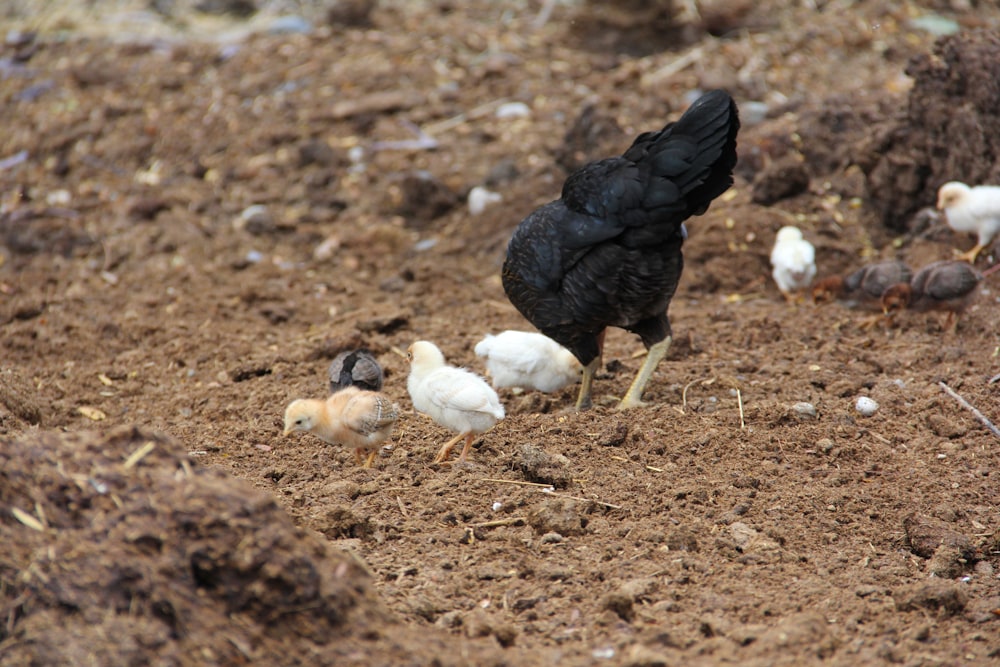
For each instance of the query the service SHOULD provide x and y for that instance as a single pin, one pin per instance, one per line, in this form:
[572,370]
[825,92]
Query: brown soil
[721,524]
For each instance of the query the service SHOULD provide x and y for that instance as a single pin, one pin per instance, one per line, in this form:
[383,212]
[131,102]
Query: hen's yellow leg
[633,397]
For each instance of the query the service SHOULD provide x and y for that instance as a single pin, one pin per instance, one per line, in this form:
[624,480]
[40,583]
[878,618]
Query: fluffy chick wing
[522,355]
[367,413]
[457,389]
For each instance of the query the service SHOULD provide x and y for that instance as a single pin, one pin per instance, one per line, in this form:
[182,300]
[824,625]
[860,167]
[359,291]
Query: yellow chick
[453,397]
[352,417]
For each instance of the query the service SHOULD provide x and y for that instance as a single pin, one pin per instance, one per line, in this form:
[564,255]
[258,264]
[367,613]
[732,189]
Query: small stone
[803,410]
[865,406]
[513,110]
[256,220]
[552,538]
[944,596]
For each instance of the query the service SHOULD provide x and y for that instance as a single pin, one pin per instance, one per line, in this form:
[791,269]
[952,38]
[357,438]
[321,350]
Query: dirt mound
[139,556]
[950,129]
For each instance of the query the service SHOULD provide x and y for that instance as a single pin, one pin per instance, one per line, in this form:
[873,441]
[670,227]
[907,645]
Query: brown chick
[946,286]
[352,417]
[863,287]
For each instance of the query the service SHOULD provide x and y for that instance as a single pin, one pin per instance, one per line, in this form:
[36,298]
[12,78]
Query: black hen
[355,369]
[608,253]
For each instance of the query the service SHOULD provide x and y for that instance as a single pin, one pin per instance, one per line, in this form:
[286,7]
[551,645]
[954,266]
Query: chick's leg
[446,448]
[633,397]
[357,455]
[465,450]
[371,458]
[971,255]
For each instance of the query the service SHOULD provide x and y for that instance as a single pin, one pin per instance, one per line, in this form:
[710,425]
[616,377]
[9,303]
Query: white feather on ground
[352,417]
[528,360]
[453,397]
[793,260]
[975,209]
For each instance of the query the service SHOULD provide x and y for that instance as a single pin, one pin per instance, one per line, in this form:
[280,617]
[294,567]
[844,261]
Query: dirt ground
[153,329]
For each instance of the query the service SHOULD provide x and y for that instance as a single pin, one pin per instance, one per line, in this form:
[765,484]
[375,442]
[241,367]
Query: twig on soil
[739,401]
[514,481]
[423,141]
[139,454]
[968,406]
[462,118]
[499,523]
[654,468]
[675,66]
[402,507]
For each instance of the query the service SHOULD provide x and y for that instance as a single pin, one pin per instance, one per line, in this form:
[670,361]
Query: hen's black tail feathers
[696,154]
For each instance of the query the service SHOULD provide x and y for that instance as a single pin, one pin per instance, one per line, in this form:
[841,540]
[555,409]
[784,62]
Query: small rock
[540,467]
[682,539]
[552,538]
[339,522]
[255,220]
[558,515]
[944,596]
[741,534]
[804,411]
[513,110]
[865,406]
[317,151]
[925,534]
[620,603]
[947,562]
[614,436]
[946,428]
[18,395]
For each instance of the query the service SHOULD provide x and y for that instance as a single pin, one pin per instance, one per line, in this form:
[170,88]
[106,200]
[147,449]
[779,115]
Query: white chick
[971,210]
[352,417]
[453,397]
[528,360]
[793,260]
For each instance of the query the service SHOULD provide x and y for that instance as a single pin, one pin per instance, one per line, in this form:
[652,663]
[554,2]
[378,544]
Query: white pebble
[497,506]
[866,406]
[480,198]
[513,110]
[804,410]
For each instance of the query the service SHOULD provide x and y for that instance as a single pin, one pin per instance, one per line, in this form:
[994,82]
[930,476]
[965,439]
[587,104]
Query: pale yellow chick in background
[453,397]
[528,360]
[971,210]
[355,418]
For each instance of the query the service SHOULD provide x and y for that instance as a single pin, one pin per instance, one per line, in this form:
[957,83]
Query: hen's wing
[608,252]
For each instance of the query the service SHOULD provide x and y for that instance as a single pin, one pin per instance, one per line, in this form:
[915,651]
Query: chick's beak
[288,429]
